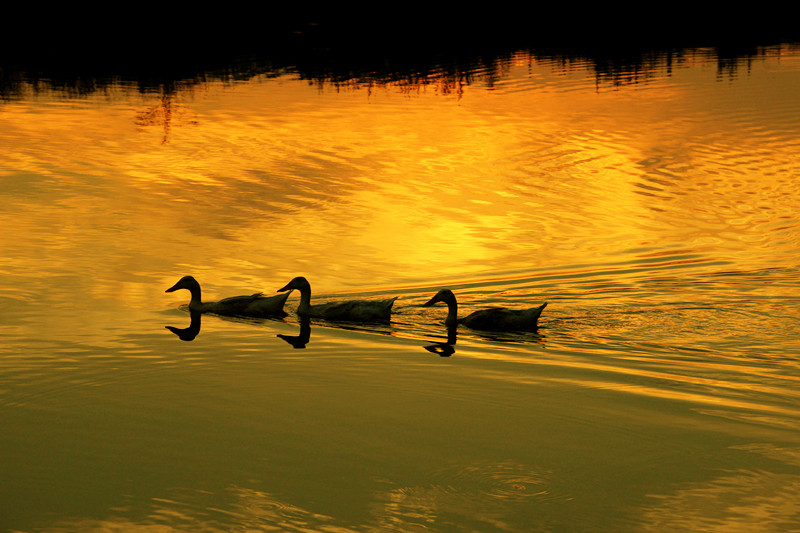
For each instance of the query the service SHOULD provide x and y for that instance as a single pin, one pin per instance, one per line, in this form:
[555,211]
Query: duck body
[349,310]
[266,306]
[492,319]
[255,305]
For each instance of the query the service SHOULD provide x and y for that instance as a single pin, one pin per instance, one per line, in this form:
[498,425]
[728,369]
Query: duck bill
[173,288]
[431,302]
[286,288]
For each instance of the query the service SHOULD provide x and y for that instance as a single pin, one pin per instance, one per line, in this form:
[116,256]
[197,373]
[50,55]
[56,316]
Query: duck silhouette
[254,305]
[492,319]
[348,310]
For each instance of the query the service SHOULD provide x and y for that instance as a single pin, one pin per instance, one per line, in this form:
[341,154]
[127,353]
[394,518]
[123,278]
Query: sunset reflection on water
[386,185]
[655,212]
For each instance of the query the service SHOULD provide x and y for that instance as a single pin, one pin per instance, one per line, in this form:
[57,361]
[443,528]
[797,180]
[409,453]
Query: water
[655,212]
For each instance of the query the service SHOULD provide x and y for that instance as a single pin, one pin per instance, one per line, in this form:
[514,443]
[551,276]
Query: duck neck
[452,313]
[305,301]
[196,303]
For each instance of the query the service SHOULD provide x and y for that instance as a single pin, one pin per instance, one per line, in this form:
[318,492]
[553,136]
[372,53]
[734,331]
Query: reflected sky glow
[378,188]
[655,213]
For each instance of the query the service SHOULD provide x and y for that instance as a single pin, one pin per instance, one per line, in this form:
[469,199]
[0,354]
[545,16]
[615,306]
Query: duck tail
[537,312]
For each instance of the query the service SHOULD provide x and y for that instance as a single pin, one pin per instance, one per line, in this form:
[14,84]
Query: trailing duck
[492,319]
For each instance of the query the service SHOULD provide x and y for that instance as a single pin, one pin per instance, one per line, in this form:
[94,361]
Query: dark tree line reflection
[341,51]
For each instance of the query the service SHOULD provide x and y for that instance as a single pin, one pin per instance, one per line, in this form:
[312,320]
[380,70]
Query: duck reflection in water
[300,341]
[445,349]
[254,305]
[188,334]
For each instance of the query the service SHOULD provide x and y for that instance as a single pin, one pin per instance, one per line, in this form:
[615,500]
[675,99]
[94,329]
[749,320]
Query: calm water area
[655,210]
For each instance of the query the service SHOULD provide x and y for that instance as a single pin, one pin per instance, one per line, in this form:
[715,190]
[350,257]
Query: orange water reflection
[658,220]
[248,184]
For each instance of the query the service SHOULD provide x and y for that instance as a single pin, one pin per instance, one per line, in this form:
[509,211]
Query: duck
[254,305]
[349,310]
[492,319]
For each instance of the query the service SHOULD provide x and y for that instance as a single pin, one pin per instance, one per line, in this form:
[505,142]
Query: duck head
[444,295]
[186,282]
[300,283]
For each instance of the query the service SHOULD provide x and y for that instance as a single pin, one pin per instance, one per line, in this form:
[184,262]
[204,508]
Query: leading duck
[349,310]
[492,319]
[254,305]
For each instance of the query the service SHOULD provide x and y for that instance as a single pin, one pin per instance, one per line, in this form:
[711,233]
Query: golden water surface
[656,213]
